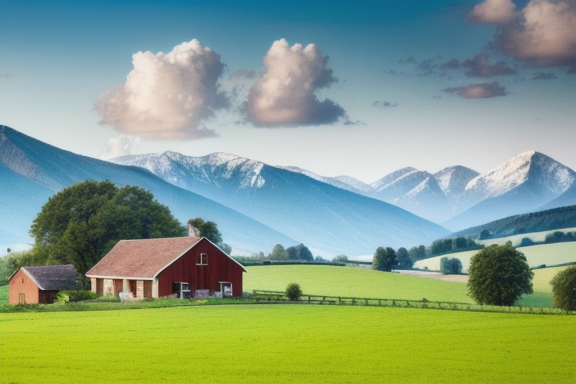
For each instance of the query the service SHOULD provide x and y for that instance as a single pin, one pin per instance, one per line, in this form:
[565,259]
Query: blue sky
[335,87]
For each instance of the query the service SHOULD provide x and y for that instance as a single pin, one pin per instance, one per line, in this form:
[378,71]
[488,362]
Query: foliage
[384,259]
[293,292]
[457,244]
[207,229]
[559,237]
[417,253]
[564,289]
[450,266]
[499,275]
[74,296]
[558,218]
[299,252]
[340,259]
[81,223]
[403,258]
[278,253]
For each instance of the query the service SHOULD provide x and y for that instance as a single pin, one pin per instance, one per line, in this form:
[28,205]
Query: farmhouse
[33,285]
[182,266]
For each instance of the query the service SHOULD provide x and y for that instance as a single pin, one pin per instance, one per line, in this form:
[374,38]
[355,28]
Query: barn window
[202,259]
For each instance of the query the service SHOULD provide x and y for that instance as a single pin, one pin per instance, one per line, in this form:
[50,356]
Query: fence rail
[277,297]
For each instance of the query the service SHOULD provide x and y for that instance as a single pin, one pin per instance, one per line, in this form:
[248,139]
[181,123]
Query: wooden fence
[262,296]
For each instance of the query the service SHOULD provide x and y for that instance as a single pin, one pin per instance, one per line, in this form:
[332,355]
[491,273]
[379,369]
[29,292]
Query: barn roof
[142,259]
[54,277]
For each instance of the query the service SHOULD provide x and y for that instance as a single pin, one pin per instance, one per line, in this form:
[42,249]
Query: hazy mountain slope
[453,181]
[318,214]
[42,170]
[522,184]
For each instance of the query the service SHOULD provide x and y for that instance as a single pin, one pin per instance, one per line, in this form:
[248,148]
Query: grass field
[549,254]
[286,344]
[353,282]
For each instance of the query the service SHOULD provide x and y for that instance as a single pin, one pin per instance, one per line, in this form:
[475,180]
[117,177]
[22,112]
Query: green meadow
[286,344]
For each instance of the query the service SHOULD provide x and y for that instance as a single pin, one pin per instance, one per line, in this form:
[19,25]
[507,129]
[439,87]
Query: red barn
[181,266]
[33,285]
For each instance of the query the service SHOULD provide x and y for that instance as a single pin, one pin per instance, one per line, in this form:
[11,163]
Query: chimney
[193,231]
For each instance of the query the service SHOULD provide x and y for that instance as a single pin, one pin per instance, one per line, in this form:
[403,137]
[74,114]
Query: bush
[293,292]
[450,266]
[499,275]
[74,296]
[564,289]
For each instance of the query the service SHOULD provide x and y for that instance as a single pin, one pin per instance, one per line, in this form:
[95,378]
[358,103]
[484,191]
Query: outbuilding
[182,267]
[34,285]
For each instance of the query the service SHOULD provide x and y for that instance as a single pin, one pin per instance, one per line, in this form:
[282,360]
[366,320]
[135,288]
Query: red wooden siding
[220,268]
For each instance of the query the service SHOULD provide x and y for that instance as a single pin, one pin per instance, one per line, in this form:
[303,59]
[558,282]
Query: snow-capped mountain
[323,217]
[520,185]
[453,181]
[32,171]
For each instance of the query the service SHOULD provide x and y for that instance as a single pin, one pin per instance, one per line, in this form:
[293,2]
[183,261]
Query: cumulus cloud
[166,95]
[480,66]
[119,146]
[286,94]
[542,33]
[493,12]
[479,91]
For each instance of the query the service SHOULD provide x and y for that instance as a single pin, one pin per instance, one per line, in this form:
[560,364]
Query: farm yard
[295,343]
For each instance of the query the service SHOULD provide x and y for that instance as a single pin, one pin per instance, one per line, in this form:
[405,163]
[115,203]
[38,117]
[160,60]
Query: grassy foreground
[286,344]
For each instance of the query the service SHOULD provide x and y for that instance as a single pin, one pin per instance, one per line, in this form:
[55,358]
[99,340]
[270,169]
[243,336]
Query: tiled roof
[141,258]
[54,277]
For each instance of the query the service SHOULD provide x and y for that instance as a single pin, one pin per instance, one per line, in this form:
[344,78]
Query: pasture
[536,255]
[286,344]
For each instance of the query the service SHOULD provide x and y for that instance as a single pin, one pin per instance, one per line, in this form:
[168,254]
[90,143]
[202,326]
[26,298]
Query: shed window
[202,259]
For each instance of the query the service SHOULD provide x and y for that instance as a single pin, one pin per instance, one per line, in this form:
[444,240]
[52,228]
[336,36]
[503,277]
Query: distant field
[549,254]
[516,239]
[353,282]
[286,344]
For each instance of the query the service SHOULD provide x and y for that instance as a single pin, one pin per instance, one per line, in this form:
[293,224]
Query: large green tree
[299,252]
[403,258]
[499,275]
[207,229]
[384,259]
[81,223]
[564,289]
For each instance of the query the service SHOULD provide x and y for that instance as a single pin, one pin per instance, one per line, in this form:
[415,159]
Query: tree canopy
[499,275]
[384,259]
[564,289]
[81,223]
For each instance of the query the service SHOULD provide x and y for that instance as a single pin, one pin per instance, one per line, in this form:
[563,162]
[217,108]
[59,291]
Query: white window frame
[202,259]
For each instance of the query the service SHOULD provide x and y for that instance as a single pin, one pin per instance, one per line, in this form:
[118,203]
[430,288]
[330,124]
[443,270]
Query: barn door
[21,298]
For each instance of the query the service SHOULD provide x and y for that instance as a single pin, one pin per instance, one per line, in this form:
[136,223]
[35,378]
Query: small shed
[182,267]
[34,285]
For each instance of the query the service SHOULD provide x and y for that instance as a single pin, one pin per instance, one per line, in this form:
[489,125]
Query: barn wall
[220,268]
[21,283]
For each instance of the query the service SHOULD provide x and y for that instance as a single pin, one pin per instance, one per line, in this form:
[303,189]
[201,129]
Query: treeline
[555,237]
[458,244]
[552,219]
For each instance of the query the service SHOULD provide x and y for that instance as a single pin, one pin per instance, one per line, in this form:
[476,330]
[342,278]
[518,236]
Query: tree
[403,258]
[417,253]
[207,229]
[499,275]
[299,252]
[450,266]
[564,289]
[278,253]
[340,259]
[293,292]
[81,223]
[384,259]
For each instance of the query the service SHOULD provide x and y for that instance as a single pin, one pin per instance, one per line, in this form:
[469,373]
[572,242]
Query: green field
[536,255]
[353,282]
[286,344]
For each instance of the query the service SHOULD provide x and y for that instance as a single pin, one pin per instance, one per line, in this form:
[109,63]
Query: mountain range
[255,205]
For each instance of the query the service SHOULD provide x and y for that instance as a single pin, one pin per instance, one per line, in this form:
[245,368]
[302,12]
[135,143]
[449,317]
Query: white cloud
[542,33]
[166,95]
[493,12]
[119,146]
[285,96]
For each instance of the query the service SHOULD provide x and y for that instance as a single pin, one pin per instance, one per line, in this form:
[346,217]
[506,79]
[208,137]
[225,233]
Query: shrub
[293,292]
[564,289]
[74,296]
[450,266]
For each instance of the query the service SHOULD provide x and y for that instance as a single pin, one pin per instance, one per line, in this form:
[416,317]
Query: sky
[335,87]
